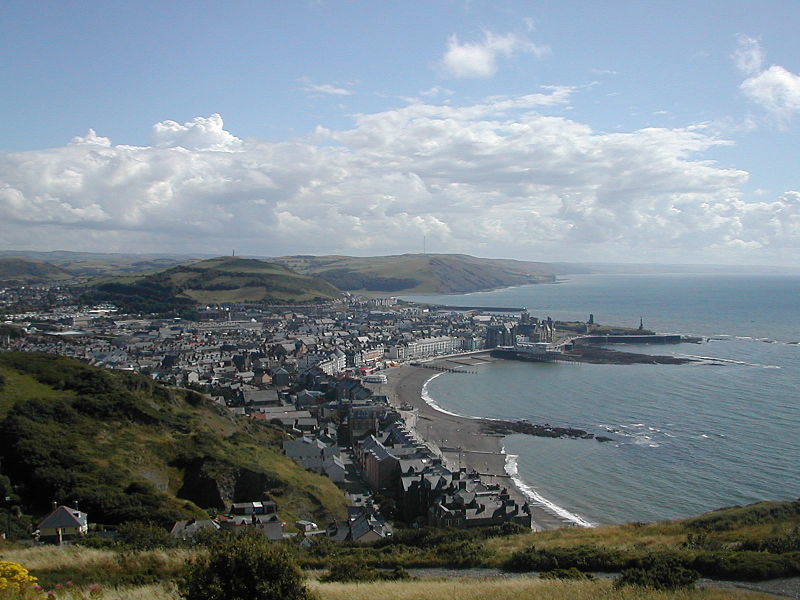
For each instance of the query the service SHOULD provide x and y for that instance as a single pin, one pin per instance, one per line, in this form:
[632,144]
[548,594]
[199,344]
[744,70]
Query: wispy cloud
[324,88]
[479,59]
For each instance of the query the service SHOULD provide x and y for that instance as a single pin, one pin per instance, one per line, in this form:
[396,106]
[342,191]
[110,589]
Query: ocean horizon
[686,438]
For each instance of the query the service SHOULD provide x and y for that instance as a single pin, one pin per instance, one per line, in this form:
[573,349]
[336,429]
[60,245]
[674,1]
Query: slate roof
[63,517]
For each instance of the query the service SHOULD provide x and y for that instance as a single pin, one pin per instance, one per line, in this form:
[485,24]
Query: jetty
[436,367]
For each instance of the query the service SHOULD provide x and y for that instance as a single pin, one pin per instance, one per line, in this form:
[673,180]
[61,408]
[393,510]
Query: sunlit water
[687,438]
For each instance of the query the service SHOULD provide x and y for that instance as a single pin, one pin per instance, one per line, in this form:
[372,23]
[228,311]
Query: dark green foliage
[726,519]
[777,544]
[358,571]
[2,382]
[245,567]
[464,553]
[583,558]
[746,566]
[150,297]
[14,525]
[350,570]
[397,573]
[43,441]
[571,573]
[659,573]
[141,536]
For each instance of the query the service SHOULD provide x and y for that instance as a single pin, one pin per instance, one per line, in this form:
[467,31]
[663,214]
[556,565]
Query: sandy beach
[461,439]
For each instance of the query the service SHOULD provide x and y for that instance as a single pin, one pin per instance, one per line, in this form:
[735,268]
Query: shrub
[15,577]
[244,567]
[141,536]
[753,566]
[350,570]
[776,544]
[571,573]
[660,573]
[583,558]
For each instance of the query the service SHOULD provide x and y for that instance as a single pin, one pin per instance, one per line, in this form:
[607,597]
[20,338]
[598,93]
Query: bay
[686,438]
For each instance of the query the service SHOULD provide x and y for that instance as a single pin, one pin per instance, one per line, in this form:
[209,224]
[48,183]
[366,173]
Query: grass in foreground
[496,589]
[514,589]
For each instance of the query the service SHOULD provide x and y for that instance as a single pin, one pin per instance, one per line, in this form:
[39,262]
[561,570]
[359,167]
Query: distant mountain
[217,280]
[419,273]
[25,270]
[98,264]
[129,449]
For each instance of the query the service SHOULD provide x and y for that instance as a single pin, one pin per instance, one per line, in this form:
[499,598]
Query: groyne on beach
[474,443]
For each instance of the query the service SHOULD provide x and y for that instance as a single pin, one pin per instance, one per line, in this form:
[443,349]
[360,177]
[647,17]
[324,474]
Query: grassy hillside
[748,543]
[24,270]
[126,448]
[419,273]
[224,279]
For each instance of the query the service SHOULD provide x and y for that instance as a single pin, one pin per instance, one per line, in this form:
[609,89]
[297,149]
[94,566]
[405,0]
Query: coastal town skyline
[555,132]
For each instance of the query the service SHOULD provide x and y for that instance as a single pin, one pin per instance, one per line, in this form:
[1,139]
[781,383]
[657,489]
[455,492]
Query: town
[316,372]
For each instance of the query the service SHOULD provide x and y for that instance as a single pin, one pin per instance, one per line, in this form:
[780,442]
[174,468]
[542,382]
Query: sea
[686,439]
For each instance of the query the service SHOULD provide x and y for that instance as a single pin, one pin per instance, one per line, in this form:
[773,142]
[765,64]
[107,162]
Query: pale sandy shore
[461,438]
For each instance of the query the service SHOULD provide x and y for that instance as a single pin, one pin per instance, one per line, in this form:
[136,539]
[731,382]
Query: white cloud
[479,59]
[497,175]
[326,88]
[775,89]
[201,133]
[91,139]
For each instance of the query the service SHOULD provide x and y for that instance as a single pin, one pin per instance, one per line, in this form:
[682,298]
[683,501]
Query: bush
[141,536]
[15,577]
[752,566]
[350,570]
[659,573]
[777,544]
[571,573]
[244,567]
[583,558]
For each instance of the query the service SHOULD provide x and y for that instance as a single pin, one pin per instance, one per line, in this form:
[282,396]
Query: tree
[245,567]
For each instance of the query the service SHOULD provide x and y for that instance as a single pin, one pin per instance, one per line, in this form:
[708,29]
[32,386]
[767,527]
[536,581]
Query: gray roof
[63,517]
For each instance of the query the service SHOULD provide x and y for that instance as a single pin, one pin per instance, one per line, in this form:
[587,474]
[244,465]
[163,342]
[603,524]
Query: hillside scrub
[127,448]
[244,567]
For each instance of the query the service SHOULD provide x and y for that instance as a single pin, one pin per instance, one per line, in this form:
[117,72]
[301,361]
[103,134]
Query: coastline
[464,440]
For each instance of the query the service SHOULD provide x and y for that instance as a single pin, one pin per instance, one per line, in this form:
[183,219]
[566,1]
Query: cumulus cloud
[479,59]
[201,133]
[497,175]
[774,89]
[90,139]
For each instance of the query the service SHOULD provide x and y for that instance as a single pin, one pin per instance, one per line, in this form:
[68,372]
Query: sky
[552,130]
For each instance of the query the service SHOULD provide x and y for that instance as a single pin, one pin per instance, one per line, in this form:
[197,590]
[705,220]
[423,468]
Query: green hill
[24,271]
[224,279]
[129,449]
[420,273]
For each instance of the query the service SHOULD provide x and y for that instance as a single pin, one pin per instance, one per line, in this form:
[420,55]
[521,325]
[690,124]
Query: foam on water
[512,470]
[432,403]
